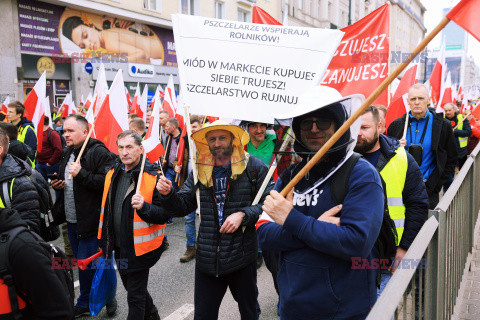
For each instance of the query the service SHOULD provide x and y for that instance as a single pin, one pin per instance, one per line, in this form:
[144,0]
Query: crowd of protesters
[310,238]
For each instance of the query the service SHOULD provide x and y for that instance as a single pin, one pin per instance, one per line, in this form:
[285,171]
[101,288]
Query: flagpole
[192,154]
[363,107]
[405,127]
[83,148]
[141,172]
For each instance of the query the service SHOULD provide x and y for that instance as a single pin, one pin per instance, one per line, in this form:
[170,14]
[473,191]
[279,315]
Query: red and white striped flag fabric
[4,107]
[112,119]
[135,100]
[101,89]
[399,105]
[68,106]
[141,108]
[152,144]
[170,99]
[437,76]
[35,96]
[446,96]
[88,102]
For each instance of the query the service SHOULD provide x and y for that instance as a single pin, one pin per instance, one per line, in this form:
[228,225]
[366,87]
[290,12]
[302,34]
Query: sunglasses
[322,124]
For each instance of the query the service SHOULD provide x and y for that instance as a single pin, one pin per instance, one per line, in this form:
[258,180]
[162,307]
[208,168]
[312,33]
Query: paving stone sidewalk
[468,301]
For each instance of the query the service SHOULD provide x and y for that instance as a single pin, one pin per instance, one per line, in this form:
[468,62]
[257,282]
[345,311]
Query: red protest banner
[361,61]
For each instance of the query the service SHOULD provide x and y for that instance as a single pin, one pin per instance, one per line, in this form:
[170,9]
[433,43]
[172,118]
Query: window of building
[188,6]
[244,16]
[311,8]
[319,9]
[155,5]
[219,10]
[300,4]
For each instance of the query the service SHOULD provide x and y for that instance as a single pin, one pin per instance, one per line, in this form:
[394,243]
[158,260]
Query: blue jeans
[190,231]
[46,170]
[83,248]
[170,174]
[386,276]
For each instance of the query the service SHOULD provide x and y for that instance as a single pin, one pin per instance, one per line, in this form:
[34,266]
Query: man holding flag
[318,277]
[132,223]
[227,241]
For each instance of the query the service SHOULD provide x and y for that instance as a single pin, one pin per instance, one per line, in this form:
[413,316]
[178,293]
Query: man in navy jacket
[316,276]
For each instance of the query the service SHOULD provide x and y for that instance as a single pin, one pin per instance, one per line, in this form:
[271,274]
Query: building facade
[71,38]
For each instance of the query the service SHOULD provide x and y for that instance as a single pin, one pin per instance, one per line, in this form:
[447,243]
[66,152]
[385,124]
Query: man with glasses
[429,139]
[317,276]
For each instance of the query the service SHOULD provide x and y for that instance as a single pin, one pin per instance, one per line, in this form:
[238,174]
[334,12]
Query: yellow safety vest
[22,133]
[463,141]
[146,236]
[394,174]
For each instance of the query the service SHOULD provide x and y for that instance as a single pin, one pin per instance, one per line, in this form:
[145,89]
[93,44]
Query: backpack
[49,231]
[62,139]
[65,275]
[386,243]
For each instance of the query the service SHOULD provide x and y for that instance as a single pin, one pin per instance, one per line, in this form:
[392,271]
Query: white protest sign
[255,72]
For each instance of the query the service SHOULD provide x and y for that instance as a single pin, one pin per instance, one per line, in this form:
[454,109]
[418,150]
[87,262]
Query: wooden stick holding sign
[142,167]
[384,85]
[406,126]
[83,147]
[191,153]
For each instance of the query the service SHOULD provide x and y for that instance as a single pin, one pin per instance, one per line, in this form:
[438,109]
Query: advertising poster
[65,32]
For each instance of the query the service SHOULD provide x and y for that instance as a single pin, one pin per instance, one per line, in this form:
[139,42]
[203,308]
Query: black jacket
[223,253]
[24,194]
[32,273]
[30,136]
[414,194]
[443,148]
[151,213]
[87,185]
[20,150]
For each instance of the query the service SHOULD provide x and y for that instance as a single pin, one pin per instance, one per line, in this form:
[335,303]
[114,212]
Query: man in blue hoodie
[316,276]
[406,192]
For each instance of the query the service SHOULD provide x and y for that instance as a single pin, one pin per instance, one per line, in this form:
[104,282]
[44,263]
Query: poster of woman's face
[94,36]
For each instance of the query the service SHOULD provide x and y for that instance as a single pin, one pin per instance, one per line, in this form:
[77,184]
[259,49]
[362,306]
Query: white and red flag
[141,106]
[4,107]
[399,105]
[100,90]
[34,107]
[68,106]
[437,76]
[446,96]
[88,102]
[136,100]
[152,144]
[170,99]
[112,118]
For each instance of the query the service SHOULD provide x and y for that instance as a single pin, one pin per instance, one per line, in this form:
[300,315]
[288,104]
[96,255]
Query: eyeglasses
[322,124]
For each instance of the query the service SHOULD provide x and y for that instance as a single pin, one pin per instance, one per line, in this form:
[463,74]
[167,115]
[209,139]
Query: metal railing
[445,241]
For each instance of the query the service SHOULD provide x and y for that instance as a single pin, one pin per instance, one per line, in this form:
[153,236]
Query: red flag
[260,16]
[67,107]
[88,102]
[436,77]
[112,118]
[465,14]
[152,144]
[361,62]
[408,80]
[129,98]
[141,106]
[4,107]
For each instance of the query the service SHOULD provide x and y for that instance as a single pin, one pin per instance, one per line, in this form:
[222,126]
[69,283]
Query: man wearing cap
[321,240]
[229,180]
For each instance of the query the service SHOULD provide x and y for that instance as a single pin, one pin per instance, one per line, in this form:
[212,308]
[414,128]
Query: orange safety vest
[146,236]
